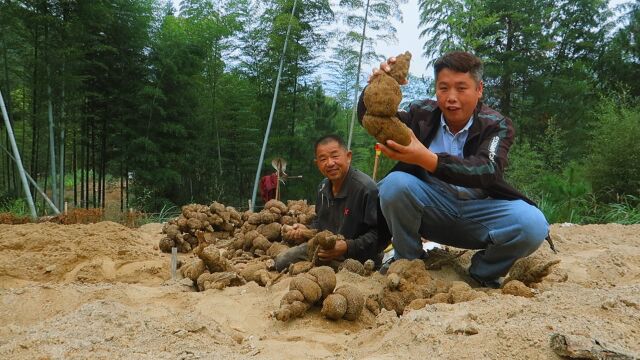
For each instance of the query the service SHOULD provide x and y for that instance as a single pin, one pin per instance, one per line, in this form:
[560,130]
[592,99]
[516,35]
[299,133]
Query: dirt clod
[517,288]
[531,269]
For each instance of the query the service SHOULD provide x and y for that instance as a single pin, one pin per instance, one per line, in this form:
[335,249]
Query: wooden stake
[174,262]
[376,161]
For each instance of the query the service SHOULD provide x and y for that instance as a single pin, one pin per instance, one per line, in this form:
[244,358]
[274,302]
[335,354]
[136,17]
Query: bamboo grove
[168,104]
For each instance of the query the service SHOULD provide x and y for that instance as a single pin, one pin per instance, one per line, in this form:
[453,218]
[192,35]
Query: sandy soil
[103,291]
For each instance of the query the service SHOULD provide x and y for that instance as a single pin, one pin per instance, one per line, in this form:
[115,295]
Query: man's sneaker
[493,284]
[385,265]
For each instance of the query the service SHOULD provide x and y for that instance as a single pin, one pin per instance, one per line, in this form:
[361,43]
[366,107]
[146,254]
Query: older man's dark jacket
[352,213]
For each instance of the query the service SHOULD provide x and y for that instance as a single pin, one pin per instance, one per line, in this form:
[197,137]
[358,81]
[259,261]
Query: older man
[345,204]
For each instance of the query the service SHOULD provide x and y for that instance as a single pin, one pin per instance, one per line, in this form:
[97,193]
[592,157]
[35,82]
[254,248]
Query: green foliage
[419,87]
[530,165]
[614,156]
[588,209]
[17,207]
[181,99]
[626,210]
[617,68]
[354,43]
[526,168]
[566,192]
[148,200]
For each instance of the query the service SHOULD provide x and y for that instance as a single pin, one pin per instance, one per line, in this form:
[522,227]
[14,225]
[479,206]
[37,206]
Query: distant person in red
[268,185]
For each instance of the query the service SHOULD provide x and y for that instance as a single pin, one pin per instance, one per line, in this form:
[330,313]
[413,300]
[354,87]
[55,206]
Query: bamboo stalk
[16,154]
[273,108]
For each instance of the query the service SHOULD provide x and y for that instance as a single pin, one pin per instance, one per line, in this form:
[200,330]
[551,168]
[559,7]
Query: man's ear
[349,155]
[480,88]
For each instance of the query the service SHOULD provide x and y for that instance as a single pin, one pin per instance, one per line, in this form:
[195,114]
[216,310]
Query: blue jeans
[503,230]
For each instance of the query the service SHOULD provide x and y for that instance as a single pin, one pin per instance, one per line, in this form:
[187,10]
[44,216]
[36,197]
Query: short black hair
[327,139]
[459,61]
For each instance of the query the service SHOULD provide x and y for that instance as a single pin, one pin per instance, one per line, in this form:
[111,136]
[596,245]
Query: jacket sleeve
[319,204]
[369,240]
[486,166]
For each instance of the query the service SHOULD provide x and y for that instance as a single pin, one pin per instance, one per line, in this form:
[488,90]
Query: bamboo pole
[357,84]
[52,149]
[35,185]
[61,172]
[18,160]
[273,108]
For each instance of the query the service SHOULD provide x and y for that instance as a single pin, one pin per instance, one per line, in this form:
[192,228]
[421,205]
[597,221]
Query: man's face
[332,160]
[457,94]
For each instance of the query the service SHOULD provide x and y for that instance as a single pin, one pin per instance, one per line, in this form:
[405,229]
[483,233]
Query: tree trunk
[18,160]
[52,148]
[214,87]
[92,148]
[35,148]
[121,186]
[103,158]
[7,90]
[34,113]
[6,164]
[86,143]
[62,145]
[508,74]
[126,185]
[23,145]
[74,161]
[61,172]
[6,176]
[292,132]
[46,180]
[82,162]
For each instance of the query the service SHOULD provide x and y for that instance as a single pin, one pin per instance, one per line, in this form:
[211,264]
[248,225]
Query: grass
[167,213]
[626,212]
[17,207]
[588,210]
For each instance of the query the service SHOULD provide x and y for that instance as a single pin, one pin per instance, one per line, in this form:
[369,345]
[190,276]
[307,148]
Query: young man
[345,204]
[448,185]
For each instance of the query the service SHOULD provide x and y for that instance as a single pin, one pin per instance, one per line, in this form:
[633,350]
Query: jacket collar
[326,188]
[474,130]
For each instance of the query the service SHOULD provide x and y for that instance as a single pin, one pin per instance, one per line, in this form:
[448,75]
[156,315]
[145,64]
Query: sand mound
[104,251]
[594,293]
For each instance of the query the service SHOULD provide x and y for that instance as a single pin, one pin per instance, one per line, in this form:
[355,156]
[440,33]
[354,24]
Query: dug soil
[103,291]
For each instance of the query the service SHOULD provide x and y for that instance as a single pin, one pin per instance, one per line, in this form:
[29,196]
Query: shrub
[613,165]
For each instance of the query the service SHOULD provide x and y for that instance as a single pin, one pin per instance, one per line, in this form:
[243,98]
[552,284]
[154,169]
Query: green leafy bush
[15,206]
[613,165]
[526,168]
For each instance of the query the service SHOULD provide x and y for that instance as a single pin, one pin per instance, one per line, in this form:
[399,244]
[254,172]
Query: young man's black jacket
[485,152]
[351,213]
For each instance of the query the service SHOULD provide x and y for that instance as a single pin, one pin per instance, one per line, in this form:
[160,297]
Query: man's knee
[397,185]
[534,228]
